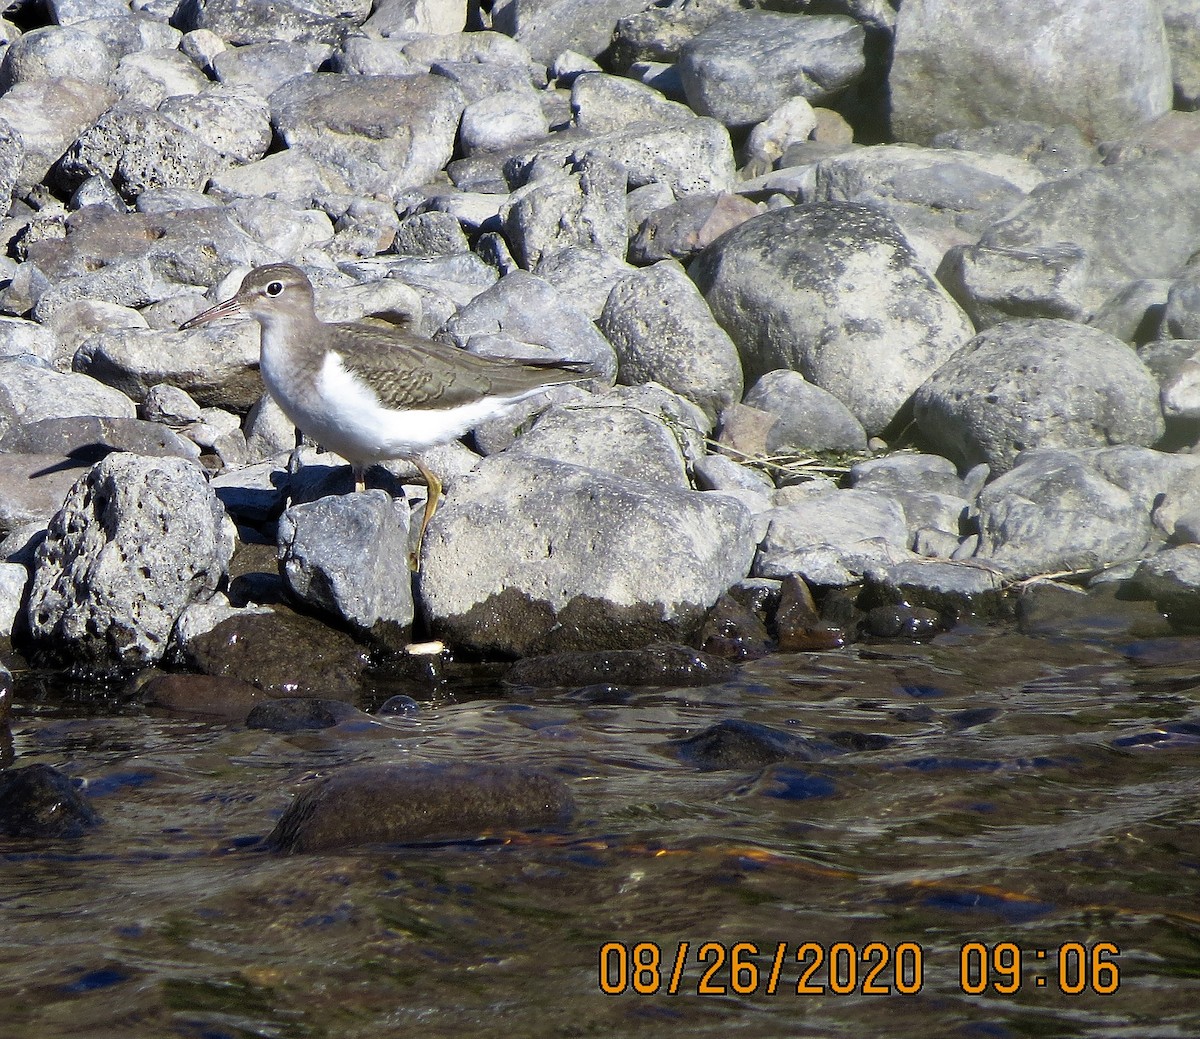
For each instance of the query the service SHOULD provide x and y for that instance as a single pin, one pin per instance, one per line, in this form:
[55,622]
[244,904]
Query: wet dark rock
[39,801]
[366,805]
[282,652]
[791,784]
[798,623]
[904,621]
[735,744]
[203,694]
[732,631]
[294,713]
[1049,609]
[657,664]
[1172,579]
[951,589]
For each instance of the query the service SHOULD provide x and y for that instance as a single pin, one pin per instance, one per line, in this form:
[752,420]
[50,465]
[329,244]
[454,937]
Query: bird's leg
[360,477]
[431,504]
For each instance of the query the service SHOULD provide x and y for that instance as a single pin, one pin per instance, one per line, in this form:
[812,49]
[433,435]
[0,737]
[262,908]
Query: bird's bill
[231,308]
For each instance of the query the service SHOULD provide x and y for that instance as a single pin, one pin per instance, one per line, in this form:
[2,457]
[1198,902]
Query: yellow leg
[360,477]
[431,504]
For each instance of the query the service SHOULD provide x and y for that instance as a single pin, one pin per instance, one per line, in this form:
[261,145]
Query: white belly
[344,415]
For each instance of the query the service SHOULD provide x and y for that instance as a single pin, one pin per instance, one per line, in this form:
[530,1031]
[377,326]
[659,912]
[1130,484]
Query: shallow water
[985,792]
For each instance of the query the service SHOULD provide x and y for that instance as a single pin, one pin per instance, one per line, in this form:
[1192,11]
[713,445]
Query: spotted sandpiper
[374,392]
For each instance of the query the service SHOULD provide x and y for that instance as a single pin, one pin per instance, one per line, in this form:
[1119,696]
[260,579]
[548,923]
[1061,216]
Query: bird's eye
[274,288]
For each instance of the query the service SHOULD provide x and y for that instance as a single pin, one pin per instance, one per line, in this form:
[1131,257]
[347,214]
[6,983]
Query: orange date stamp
[845,968]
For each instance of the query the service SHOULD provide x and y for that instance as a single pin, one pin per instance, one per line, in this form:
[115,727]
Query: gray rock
[1055,150]
[484,48]
[502,120]
[585,209]
[745,65]
[149,77]
[1053,512]
[530,310]
[478,81]
[234,122]
[1101,65]
[806,417]
[532,556]
[366,56]
[584,276]
[603,104]
[950,588]
[380,134]
[689,157]
[87,439]
[1078,241]
[833,291]
[682,229]
[548,27]
[32,487]
[663,332]
[55,53]
[280,228]
[792,122]
[291,176]
[264,67]
[1172,578]
[832,537]
[394,17]
[348,556]
[1182,21]
[1160,483]
[254,493]
[219,368]
[47,115]
[18,336]
[364,805]
[169,405]
[939,197]
[135,542]
[12,158]
[30,391]
[911,471]
[615,440]
[13,580]
[657,34]
[1037,383]
[259,21]
[1135,313]
[125,32]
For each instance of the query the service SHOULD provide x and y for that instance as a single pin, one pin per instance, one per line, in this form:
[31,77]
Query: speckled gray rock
[664,332]
[615,440]
[380,134]
[265,67]
[48,115]
[18,336]
[560,210]
[347,555]
[1078,241]
[1038,383]
[601,104]
[13,580]
[833,291]
[742,67]
[136,541]
[831,537]
[152,76]
[1101,65]
[233,121]
[528,556]
[806,417]
[1053,512]
[502,120]
[258,21]
[548,27]
[939,197]
[88,438]
[56,52]
[529,309]
[584,276]
[32,487]
[1182,20]
[397,17]
[29,391]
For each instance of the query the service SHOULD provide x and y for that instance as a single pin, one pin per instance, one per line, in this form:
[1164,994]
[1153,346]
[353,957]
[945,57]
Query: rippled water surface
[985,792]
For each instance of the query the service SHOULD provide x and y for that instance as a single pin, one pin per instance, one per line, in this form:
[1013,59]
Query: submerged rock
[40,801]
[363,805]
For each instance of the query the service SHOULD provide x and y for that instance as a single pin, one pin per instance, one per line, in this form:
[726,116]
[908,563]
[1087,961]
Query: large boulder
[1102,65]
[833,291]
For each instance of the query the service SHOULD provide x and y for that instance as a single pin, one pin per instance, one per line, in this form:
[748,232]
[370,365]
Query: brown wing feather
[409,371]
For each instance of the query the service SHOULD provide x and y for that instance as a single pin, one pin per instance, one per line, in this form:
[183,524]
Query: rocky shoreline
[844,387]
